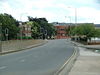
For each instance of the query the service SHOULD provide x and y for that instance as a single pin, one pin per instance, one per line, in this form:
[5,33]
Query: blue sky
[88,11]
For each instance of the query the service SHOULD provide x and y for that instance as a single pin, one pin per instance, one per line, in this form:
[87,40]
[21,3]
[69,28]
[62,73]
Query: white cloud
[89,14]
[31,7]
[53,10]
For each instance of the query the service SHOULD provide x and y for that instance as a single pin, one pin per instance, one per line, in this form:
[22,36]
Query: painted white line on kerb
[3,67]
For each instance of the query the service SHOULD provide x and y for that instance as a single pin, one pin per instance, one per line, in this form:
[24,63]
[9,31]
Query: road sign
[6,33]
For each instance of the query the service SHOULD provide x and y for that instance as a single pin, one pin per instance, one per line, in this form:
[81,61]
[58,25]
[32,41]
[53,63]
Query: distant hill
[66,24]
[97,25]
[62,24]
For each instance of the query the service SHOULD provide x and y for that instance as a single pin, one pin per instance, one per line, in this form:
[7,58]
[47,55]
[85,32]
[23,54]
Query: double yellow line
[65,69]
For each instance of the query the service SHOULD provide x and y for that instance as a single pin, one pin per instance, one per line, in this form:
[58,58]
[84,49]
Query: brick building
[61,32]
[26,30]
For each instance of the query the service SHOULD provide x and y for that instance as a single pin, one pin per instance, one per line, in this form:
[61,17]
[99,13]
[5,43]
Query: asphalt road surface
[42,60]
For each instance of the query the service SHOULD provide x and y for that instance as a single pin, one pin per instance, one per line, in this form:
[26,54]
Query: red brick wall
[61,32]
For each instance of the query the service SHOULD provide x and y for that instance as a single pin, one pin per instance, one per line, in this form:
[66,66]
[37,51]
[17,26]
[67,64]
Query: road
[42,60]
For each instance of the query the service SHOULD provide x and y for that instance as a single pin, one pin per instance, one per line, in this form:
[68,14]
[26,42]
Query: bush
[24,37]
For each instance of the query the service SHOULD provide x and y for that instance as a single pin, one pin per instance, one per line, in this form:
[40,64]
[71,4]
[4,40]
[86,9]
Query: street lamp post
[21,15]
[75,9]
[69,17]
[27,31]
[0,37]
[70,27]
[45,34]
[69,24]
[75,16]
[75,20]
[42,30]
[21,31]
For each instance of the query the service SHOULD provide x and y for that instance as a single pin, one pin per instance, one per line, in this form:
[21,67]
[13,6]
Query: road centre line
[3,67]
[23,60]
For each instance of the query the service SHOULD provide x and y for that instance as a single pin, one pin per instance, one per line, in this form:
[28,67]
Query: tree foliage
[97,33]
[87,29]
[8,22]
[35,29]
[41,27]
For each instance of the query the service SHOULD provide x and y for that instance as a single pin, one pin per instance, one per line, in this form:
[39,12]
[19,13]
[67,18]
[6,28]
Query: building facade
[61,32]
[25,30]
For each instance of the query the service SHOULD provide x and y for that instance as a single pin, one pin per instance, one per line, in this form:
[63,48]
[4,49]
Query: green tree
[97,33]
[8,22]
[50,30]
[47,28]
[72,30]
[35,29]
[86,29]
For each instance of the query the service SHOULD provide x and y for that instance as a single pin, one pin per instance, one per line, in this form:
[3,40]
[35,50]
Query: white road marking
[23,60]
[3,67]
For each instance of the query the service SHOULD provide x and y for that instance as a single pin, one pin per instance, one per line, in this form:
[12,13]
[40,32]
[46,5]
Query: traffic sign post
[45,34]
[6,33]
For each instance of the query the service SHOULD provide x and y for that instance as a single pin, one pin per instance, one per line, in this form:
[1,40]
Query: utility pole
[75,20]
[45,34]
[21,31]
[69,25]
[0,37]
[21,25]
[75,23]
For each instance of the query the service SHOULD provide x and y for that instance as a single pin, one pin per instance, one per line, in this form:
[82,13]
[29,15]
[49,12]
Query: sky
[86,11]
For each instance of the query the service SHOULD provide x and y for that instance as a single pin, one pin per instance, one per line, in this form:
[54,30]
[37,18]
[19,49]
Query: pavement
[87,46]
[88,62]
